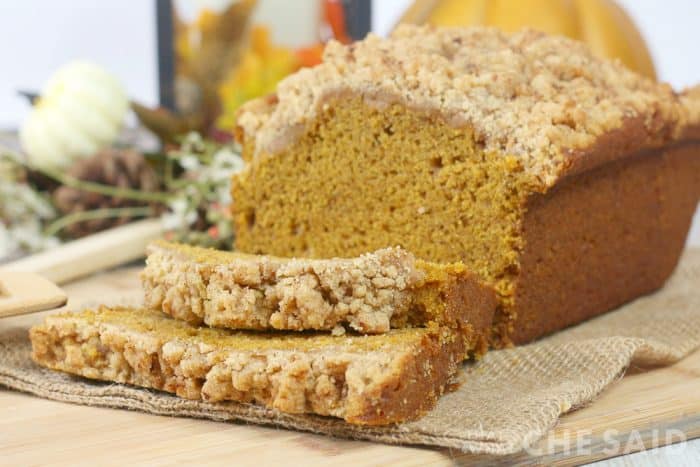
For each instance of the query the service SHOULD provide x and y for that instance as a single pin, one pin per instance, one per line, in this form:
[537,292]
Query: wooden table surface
[34,431]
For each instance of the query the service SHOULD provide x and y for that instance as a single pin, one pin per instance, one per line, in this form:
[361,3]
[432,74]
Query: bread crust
[602,238]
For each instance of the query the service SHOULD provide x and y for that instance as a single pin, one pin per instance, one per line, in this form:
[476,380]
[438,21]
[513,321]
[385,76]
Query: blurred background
[139,96]
[121,36]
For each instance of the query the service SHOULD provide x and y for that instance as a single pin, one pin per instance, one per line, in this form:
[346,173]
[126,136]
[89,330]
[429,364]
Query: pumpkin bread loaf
[370,294]
[371,380]
[566,181]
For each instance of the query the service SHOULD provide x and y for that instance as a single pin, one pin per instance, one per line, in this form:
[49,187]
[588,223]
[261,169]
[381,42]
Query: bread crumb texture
[366,178]
[527,94]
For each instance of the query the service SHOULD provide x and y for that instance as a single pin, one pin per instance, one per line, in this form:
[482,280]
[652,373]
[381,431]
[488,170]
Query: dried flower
[23,211]
[199,208]
[197,199]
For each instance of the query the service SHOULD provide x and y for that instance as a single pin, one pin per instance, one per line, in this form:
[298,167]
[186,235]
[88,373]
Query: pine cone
[121,168]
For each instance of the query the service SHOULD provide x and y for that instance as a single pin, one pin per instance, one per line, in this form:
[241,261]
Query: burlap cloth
[505,402]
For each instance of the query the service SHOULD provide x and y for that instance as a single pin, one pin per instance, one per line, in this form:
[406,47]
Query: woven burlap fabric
[505,402]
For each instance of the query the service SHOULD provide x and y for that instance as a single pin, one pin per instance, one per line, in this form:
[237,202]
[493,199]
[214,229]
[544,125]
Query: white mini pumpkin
[81,110]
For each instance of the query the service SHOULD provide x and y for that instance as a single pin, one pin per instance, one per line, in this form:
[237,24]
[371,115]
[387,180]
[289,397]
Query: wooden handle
[26,292]
[91,254]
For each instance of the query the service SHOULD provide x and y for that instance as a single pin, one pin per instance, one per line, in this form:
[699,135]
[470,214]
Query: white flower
[190,162]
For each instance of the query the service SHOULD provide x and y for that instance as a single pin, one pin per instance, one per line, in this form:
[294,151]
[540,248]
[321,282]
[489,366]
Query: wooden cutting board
[639,411]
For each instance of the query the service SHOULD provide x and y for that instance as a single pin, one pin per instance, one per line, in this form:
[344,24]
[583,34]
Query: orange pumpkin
[602,24]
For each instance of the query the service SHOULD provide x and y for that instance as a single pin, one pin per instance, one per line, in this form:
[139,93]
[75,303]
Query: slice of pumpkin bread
[372,380]
[370,294]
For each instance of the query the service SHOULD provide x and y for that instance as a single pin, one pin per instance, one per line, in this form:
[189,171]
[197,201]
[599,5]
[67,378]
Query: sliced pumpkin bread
[371,293]
[372,380]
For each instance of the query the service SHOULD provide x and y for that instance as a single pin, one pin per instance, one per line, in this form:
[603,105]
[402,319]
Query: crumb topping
[691,100]
[239,291]
[525,94]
